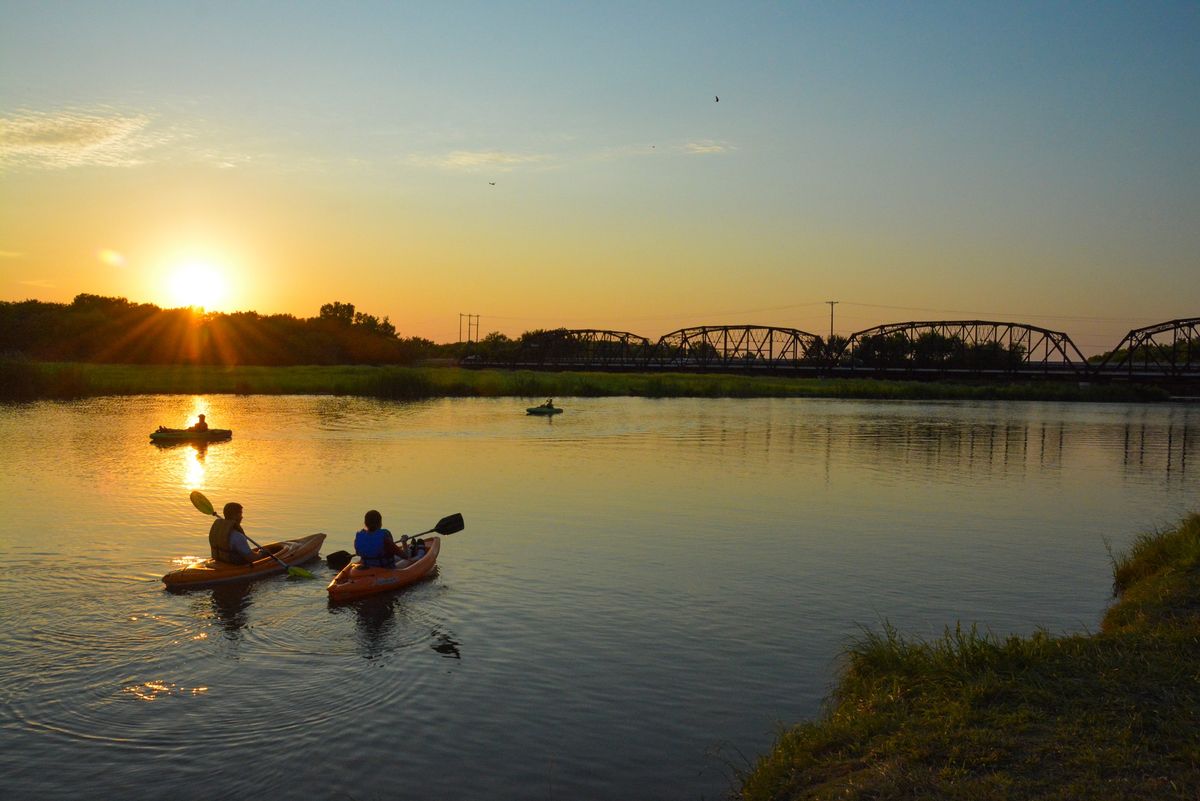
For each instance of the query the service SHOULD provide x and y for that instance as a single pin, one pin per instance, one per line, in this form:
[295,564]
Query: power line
[1000,314]
[679,314]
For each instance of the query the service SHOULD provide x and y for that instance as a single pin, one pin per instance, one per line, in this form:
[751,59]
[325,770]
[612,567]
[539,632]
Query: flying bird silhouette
[491,183]
[716,99]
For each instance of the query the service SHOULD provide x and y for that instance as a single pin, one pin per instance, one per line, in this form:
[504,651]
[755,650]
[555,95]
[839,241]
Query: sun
[198,283]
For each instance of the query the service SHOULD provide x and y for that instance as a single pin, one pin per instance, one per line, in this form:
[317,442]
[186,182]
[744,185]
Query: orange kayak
[356,581]
[210,571]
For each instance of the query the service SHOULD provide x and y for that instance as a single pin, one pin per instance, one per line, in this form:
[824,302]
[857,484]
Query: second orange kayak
[356,581]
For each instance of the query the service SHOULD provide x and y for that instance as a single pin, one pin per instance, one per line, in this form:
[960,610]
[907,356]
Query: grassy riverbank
[1108,715]
[20,380]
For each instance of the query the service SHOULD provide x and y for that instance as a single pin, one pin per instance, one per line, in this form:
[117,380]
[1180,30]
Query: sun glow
[198,283]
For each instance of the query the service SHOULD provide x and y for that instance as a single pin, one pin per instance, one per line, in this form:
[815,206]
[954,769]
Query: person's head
[233,511]
[201,417]
[373,520]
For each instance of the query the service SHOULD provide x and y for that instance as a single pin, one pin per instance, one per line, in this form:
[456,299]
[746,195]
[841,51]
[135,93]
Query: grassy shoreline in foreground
[20,380]
[972,716]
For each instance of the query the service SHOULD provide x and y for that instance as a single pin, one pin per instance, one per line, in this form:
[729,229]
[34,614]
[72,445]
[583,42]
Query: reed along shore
[1109,715]
[25,380]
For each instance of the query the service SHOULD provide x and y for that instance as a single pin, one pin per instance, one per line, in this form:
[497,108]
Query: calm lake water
[645,588]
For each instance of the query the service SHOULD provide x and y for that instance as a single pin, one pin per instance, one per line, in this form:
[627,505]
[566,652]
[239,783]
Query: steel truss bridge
[917,349]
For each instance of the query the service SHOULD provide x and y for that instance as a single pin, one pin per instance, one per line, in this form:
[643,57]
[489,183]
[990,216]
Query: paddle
[447,525]
[205,506]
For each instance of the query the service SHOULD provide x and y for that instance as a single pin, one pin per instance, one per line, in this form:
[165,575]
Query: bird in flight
[491,183]
[716,99]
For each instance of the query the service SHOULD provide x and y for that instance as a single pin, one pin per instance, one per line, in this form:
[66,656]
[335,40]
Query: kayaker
[200,426]
[228,541]
[549,404]
[374,544]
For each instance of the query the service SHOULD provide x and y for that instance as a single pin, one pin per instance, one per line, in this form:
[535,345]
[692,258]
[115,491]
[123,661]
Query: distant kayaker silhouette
[200,425]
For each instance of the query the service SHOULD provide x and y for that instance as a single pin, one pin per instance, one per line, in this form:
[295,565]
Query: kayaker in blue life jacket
[228,541]
[374,544]
[200,426]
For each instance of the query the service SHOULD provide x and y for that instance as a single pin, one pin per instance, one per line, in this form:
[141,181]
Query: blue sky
[910,160]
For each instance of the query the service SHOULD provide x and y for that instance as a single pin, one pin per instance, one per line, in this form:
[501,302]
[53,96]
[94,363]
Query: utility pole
[472,326]
[831,303]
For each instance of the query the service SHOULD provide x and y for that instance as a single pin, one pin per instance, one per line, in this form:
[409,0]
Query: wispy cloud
[506,161]
[706,147]
[72,138]
[477,160]
[10,254]
[37,282]
[702,147]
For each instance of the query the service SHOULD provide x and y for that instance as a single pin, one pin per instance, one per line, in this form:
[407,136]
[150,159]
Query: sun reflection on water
[193,467]
[153,690]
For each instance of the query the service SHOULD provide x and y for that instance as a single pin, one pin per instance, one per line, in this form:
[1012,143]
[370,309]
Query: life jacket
[372,548]
[218,542]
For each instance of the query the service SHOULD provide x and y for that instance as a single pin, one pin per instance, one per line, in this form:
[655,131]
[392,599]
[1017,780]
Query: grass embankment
[21,380]
[1111,715]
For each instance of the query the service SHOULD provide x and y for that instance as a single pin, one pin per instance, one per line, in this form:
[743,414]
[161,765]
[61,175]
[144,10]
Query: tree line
[93,328]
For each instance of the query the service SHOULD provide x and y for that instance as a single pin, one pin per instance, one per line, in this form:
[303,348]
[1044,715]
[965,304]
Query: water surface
[644,590]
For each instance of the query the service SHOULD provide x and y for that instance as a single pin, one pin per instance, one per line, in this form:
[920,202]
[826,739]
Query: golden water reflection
[153,690]
[194,467]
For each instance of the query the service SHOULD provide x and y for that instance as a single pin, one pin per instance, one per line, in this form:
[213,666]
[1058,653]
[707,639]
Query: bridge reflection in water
[1168,351]
[969,443]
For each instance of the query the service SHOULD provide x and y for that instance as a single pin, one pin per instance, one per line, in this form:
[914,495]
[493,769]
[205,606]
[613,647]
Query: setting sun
[197,283]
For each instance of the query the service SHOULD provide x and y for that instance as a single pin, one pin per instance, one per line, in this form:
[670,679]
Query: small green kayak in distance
[543,410]
[184,435]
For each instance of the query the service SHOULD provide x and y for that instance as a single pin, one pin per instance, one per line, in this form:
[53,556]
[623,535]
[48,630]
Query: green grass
[1110,715]
[22,380]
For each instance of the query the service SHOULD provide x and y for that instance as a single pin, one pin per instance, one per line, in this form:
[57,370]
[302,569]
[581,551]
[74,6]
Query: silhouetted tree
[338,312]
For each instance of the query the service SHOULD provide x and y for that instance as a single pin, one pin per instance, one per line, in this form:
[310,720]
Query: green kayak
[184,435]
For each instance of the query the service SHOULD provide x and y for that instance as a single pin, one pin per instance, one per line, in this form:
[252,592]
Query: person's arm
[240,545]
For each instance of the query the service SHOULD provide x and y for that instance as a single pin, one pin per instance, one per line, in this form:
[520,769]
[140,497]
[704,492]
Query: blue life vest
[372,548]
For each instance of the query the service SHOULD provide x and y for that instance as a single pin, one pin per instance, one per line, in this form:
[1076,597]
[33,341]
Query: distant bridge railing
[969,348]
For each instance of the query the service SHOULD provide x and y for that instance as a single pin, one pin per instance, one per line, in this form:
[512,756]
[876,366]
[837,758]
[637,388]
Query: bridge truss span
[1171,348]
[584,348]
[964,346]
[727,347]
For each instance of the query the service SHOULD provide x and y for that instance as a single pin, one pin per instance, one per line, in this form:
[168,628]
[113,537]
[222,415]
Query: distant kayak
[184,435]
[356,581]
[210,571]
[543,410]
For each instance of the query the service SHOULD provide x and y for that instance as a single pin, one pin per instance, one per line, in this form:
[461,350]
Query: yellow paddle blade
[202,503]
[299,572]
